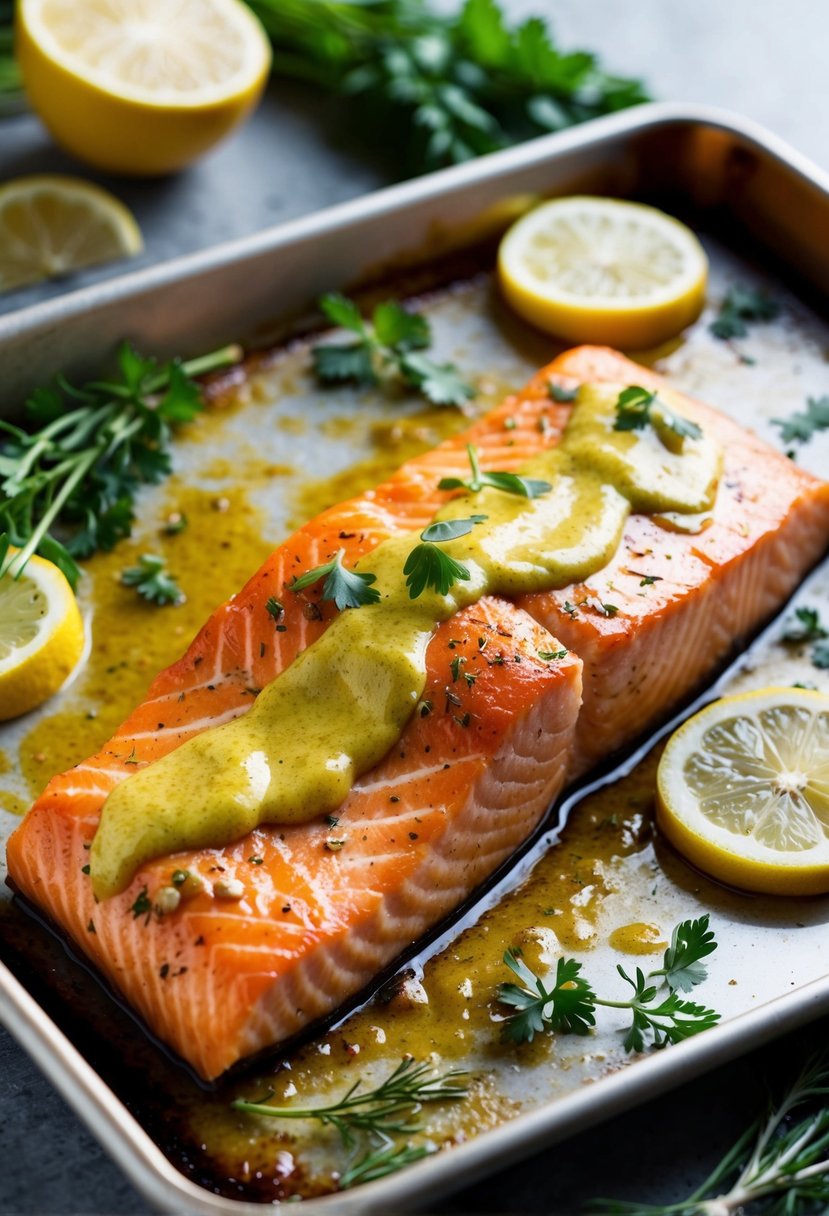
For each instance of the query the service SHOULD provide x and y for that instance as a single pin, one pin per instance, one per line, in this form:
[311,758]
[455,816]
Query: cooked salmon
[291,921]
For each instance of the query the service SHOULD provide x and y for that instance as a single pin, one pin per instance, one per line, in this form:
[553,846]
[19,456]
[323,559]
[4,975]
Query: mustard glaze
[336,711]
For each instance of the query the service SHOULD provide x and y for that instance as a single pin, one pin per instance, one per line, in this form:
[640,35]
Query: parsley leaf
[809,627]
[347,588]
[569,1005]
[740,306]
[451,529]
[152,581]
[636,407]
[800,427]
[510,483]
[428,566]
[389,344]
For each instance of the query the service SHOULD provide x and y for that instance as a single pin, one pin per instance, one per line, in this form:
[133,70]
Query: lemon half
[743,791]
[52,225]
[141,88]
[600,270]
[41,636]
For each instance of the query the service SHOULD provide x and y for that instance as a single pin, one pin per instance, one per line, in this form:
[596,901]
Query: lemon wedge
[41,636]
[743,791]
[51,225]
[141,88]
[600,270]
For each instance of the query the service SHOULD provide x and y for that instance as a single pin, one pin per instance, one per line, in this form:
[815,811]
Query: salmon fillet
[262,972]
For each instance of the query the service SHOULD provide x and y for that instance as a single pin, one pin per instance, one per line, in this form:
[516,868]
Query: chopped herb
[740,306]
[179,877]
[800,427]
[482,643]
[391,343]
[607,609]
[570,609]
[274,607]
[256,860]
[151,580]
[509,483]
[425,708]
[347,588]
[92,448]
[550,656]
[455,666]
[562,395]
[142,906]
[568,1006]
[510,424]
[174,524]
[809,627]
[470,678]
[637,407]
[648,580]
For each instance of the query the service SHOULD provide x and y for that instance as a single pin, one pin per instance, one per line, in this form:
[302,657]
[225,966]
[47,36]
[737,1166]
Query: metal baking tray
[754,201]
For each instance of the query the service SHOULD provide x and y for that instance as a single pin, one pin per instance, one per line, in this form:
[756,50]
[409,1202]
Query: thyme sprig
[510,483]
[370,1118]
[779,1165]
[568,1005]
[78,471]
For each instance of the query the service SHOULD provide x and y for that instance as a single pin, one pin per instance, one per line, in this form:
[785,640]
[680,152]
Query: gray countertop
[763,58]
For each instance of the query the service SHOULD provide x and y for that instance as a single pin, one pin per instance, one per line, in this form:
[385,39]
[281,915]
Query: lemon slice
[41,636]
[743,791]
[52,225]
[601,270]
[141,86]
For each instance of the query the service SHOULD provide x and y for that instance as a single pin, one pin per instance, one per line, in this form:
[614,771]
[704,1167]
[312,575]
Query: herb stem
[15,564]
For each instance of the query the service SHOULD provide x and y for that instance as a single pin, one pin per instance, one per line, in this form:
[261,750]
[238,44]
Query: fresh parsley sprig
[440,88]
[347,588]
[429,566]
[391,343]
[151,580]
[569,1004]
[371,1117]
[637,407]
[779,1165]
[510,483]
[801,426]
[92,446]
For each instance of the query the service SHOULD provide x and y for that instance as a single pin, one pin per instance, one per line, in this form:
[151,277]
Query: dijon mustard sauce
[343,702]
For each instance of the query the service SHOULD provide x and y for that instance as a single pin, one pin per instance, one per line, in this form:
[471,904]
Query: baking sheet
[295,423]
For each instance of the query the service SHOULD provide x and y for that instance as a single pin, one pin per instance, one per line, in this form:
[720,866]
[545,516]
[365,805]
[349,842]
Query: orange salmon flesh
[324,909]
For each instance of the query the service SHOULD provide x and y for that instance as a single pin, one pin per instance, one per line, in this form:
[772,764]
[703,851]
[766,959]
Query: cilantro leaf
[510,483]
[347,588]
[740,306]
[439,382]
[428,566]
[636,407]
[396,327]
[344,363]
[150,580]
[800,427]
[342,312]
[809,627]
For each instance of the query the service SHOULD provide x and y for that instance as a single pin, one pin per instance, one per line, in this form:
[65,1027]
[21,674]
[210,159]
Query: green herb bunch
[68,481]
[441,89]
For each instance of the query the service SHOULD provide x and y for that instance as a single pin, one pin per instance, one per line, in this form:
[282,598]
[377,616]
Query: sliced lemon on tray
[41,636]
[601,270]
[141,88]
[743,791]
[51,225]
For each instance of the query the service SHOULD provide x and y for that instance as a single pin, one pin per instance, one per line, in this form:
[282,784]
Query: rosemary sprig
[78,472]
[568,1005]
[372,1117]
[510,483]
[779,1165]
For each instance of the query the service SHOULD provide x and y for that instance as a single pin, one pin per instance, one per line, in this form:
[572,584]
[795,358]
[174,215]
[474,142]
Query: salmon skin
[291,921]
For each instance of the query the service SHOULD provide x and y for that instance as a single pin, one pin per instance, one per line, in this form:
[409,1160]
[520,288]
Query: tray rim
[132,1149]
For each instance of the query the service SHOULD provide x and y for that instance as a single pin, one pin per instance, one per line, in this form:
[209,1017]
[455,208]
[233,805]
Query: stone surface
[764,58]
